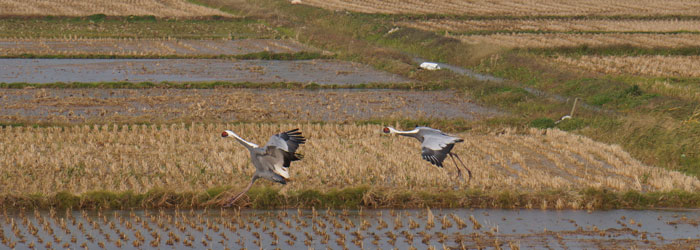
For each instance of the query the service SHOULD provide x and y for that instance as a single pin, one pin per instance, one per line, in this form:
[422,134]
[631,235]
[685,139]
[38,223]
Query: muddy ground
[230,105]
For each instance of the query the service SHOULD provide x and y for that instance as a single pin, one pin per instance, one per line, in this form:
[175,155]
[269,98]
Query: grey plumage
[435,145]
[273,160]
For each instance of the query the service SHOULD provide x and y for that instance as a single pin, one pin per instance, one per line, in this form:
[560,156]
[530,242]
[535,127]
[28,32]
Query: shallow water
[301,229]
[189,70]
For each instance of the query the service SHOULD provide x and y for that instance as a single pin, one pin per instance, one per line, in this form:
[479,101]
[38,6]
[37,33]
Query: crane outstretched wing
[435,148]
[288,143]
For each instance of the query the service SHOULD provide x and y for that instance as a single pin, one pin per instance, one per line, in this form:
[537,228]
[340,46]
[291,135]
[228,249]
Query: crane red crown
[386,130]
[224,134]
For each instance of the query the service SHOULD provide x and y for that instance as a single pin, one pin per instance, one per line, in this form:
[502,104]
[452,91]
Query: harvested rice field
[25,29]
[190,70]
[554,40]
[556,25]
[147,47]
[159,8]
[76,106]
[655,66]
[194,157]
[514,7]
[385,229]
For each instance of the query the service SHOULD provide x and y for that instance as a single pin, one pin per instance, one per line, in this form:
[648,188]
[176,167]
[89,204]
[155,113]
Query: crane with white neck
[435,145]
[271,161]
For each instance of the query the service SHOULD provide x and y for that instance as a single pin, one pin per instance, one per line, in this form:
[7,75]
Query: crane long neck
[243,142]
[410,133]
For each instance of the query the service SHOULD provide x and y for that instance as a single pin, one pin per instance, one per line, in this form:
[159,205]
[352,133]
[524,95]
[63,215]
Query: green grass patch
[613,50]
[542,123]
[269,197]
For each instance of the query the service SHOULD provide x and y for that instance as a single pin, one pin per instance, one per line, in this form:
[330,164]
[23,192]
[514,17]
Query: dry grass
[556,25]
[646,66]
[69,106]
[147,47]
[159,8]
[663,66]
[593,40]
[194,158]
[515,7]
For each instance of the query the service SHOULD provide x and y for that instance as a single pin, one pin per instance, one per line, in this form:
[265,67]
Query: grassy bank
[655,124]
[360,197]
[618,50]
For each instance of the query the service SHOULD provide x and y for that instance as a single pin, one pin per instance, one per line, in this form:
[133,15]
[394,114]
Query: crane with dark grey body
[271,161]
[435,145]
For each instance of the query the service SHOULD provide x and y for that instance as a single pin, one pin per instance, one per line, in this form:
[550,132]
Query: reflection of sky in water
[189,70]
[531,228]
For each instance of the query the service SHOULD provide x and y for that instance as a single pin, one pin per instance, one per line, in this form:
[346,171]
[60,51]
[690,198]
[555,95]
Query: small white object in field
[563,118]
[430,66]
[296,1]
[393,30]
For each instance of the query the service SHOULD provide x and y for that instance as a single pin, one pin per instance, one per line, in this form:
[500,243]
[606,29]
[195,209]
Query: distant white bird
[430,66]
[271,161]
[435,145]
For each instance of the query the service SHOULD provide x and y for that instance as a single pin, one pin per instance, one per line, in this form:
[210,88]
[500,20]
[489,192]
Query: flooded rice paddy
[190,70]
[351,229]
[85,105]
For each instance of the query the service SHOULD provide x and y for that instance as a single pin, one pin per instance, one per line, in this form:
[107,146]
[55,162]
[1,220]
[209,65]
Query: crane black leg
[459,171]
[465,166]
[230,202]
